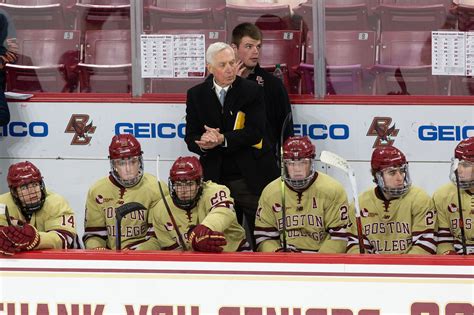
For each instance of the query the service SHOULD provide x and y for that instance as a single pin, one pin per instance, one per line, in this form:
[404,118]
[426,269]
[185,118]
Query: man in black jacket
[225,126]
[247,43]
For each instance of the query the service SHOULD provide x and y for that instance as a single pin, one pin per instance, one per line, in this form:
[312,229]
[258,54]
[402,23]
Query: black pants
[246,203]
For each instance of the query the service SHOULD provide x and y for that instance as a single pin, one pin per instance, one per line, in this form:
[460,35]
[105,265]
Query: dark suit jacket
[4,112]
[257,166]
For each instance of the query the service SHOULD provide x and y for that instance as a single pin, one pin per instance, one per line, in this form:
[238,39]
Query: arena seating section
[373,47]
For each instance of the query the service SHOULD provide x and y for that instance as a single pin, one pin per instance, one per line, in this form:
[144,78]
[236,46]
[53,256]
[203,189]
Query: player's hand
[24,237]
[203,239]
[6,247]
[289,249]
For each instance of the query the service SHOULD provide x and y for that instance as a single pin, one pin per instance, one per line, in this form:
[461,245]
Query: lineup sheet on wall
[452,53]
[173,56]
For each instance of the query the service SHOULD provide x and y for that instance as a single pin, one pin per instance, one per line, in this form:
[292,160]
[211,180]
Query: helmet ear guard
[186,169]
[21,174]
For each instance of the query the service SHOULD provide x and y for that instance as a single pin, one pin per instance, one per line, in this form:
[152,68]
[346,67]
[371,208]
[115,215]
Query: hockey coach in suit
[225,126]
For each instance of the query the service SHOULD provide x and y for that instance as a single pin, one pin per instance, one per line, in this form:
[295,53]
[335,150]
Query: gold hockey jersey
[106,195]
[316,218]
[405,225]
[55,221]
[215,209]
[446,202]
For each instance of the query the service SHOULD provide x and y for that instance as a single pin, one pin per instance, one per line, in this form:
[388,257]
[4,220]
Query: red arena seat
[102,14]
[413,15]
[36,14]
[106,67]
[283,47]
[405,65]
[186,14]
[349,54]
[46,63]
[266,17]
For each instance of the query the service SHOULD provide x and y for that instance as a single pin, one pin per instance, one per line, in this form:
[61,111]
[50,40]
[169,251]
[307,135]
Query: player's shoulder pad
[209,187]
[54,202]
[271,186]
[445,190]
[419,192]
[330,184]
[99,184]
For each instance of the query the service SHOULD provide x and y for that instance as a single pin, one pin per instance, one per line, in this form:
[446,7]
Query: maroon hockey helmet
[298,147]
[465,150]
[24,173]
[121,148]
[124,146]
[185,169]
[386,156]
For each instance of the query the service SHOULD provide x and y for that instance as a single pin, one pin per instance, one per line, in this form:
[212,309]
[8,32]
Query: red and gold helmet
[298,151]
[24,173]
[465,150]
[186,169]
[386,157]
[296,148]
[464,154]
[125,148]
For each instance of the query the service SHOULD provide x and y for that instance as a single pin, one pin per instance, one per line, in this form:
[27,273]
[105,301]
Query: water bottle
[278,73]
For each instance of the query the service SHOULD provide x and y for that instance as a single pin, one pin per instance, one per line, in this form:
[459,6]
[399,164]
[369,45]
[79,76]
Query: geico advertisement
[424,133]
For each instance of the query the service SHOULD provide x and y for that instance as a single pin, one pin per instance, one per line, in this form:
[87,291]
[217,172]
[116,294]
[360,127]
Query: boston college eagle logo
[276,207]
[380,127]
[82,131]
[452,208]
[169,226]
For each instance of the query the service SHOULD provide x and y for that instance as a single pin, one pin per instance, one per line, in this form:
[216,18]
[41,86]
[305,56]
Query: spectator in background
[8,54]
[397,218]
[127,182]
[33,217]
[225,126]
[316,206]
[446,203]
[247,43]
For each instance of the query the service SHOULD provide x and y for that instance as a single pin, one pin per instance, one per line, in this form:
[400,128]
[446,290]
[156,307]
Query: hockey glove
[6,247]
[203,239]
[24,237]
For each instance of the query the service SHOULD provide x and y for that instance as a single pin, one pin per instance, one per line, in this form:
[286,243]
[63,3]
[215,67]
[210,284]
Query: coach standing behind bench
[225,126]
